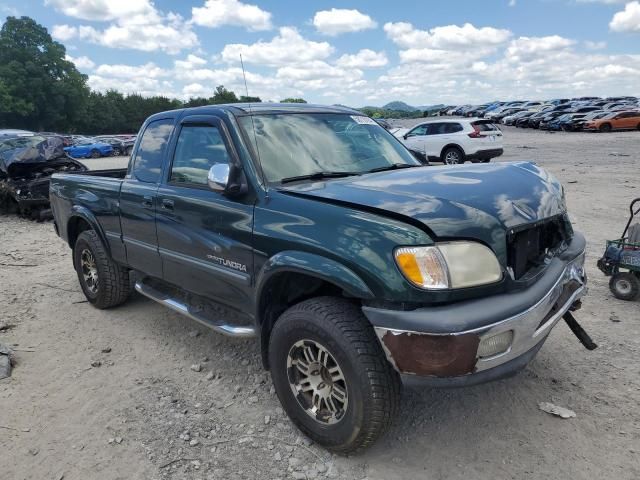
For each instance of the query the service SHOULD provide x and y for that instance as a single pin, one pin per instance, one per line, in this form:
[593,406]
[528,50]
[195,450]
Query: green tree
[42,90]
[245,99]
[293,100]
[222,95]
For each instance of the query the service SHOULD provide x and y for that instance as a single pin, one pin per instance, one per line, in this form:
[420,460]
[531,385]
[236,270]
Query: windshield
[293,145]
[21,142]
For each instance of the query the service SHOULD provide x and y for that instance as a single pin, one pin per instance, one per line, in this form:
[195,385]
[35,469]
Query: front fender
[315,266]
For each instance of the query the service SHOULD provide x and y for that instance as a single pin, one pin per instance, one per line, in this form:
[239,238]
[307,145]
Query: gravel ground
[140,392]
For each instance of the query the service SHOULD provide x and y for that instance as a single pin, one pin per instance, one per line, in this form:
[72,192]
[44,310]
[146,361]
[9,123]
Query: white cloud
[216,13]
[138,25]
[148,70]
[526,49]
[83,63]
[590,45]
[102,10]
[337,20]
[449,37]
[190,62]
[365,58]
[628,20]
[288,47]
[64,33]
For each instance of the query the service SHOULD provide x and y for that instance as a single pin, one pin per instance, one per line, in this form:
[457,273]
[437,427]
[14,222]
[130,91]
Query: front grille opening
[530,248]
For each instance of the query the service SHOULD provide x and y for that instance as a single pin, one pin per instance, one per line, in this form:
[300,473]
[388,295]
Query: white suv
[454,141]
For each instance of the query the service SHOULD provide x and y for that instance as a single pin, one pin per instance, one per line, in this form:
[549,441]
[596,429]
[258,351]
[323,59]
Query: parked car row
[585,113]
[81,146]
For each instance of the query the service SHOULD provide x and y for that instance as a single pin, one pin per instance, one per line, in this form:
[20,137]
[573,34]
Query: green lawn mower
[621,259]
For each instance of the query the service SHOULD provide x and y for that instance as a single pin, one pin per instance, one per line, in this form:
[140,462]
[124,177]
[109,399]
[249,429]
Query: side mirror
[227,179]
[405,136]
[218,177]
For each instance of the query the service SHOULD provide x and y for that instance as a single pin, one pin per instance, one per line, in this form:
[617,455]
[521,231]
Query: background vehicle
[89,148]
[26,165]
[621,259]
[318,256]
[629,120]
[120,146]
[455,141]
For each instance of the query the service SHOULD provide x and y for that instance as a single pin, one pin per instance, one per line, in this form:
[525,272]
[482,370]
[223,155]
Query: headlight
[448,265]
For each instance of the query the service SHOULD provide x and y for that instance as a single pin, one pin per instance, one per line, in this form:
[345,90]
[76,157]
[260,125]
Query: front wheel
[605,127]
[331,374]
[625,286]
[452,156]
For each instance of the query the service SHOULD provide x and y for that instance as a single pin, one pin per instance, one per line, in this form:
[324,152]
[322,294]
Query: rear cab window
[147,164]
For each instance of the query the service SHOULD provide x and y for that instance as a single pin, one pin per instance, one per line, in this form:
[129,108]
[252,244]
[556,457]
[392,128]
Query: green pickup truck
[357,267]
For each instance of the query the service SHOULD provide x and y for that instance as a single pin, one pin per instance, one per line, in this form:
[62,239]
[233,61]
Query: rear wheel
[605,127]
[625,286]
[105,283]
[331,374]
[95,154]
[116,152]
[452,156]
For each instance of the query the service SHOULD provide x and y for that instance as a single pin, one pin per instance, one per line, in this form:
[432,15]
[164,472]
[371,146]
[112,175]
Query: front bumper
[442,345]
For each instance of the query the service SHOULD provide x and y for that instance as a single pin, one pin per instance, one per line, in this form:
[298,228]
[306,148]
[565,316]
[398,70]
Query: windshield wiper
[395,166]
[318,176]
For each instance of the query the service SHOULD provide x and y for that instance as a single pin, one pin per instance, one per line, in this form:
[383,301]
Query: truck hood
[477,201]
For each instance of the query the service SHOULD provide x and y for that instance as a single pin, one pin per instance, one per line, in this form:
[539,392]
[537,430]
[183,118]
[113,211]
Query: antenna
[253,125]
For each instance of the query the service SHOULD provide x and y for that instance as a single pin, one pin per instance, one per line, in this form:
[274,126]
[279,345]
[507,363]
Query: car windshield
[295,145]
[20,142]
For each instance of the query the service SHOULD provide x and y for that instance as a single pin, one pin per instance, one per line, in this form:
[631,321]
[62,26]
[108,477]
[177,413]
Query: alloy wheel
[452,158]
[89,270]
[317,382]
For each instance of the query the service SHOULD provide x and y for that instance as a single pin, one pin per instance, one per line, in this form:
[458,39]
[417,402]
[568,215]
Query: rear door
[138,198]
[204,236]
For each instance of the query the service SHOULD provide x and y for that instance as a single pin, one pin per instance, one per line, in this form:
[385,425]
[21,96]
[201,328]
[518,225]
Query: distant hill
[399,107]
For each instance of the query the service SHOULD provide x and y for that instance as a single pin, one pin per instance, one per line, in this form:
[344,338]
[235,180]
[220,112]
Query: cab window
[199,148]
[147,165]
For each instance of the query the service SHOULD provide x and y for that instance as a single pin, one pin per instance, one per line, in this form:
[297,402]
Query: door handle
[147,201]
[167,204]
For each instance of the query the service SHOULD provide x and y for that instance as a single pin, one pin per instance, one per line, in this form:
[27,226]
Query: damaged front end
[26,166]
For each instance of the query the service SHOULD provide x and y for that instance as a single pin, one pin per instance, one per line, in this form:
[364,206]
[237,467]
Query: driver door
[415,138]
[204,237]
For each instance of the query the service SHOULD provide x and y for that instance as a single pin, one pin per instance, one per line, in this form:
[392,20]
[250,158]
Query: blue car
[89,149]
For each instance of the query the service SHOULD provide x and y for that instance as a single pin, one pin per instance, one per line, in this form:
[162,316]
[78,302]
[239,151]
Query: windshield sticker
[363,120]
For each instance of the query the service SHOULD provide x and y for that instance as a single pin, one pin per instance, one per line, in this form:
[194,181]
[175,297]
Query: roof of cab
[240,109]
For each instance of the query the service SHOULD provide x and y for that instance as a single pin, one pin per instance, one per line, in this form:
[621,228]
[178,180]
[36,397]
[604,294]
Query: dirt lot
[142,412]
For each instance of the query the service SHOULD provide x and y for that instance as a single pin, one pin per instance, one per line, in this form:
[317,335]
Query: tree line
[42,91]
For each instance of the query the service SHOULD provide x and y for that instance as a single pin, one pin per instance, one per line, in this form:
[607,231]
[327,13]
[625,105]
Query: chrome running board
[180,307]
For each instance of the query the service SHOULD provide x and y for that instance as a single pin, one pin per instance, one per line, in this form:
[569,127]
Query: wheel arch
[291,277]
[453,145]
[82,219]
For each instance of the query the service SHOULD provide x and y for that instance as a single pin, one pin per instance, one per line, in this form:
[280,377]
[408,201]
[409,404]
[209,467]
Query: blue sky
[356,53]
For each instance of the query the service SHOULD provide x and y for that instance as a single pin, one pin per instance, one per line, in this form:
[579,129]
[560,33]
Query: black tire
[452,156]
[111,286]
[371,384]
[625,286]
[605,127]
[129,150]
[95,154]
[116,152]
[486,160]
[638,126]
